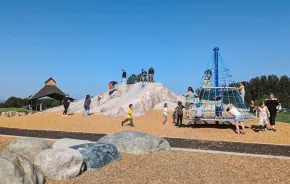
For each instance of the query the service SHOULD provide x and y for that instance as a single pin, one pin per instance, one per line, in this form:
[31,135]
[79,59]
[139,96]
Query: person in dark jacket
[65,102]
[272,105]
[179,114]
[124,76]
[112,85]
[151,74]
[87,105]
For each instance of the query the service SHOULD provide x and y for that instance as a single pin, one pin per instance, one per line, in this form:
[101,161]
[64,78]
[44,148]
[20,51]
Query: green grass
[283,117]
[13,109]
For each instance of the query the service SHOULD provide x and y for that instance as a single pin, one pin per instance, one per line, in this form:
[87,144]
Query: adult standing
[66,102]
[151,74]
[272,105]
[124,76]
[190,99]
[242,91]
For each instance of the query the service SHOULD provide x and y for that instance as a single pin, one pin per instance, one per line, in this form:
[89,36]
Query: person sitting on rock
[112,85]
[129,116]
[143,76]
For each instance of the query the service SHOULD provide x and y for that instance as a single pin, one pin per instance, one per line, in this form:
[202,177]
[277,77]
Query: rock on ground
[67,142]
[28,147]
[134,142]
[97,155]
[60,164]
[16,169]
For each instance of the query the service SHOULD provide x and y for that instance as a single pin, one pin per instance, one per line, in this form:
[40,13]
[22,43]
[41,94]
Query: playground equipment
[217,89]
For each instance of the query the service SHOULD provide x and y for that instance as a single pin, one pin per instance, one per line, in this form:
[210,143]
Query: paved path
[236,147]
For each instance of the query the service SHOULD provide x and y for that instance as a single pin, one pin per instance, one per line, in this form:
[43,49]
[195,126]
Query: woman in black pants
[272,104]
[66,102]
[179,114]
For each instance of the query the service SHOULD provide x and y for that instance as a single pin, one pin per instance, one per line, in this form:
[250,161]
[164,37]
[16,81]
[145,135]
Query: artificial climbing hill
[143,97]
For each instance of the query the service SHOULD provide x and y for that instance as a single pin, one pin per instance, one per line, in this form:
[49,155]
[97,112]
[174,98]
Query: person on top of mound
[151,74]
[143,75]
[124,76]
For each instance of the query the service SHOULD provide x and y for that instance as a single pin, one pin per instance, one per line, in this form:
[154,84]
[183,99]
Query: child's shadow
[255,128]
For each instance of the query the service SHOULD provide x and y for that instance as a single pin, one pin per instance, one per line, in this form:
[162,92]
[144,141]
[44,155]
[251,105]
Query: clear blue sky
[84,44]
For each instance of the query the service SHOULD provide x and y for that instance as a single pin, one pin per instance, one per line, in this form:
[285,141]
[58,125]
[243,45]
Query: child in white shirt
[238,118]
[264,115]
[165,113]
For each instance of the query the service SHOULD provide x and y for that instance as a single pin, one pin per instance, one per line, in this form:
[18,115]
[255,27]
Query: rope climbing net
[216,90]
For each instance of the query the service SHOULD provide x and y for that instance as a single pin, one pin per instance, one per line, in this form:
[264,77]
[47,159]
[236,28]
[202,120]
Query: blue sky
[84,44]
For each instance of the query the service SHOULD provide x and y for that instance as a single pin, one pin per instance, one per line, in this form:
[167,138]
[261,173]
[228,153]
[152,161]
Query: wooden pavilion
[49,90]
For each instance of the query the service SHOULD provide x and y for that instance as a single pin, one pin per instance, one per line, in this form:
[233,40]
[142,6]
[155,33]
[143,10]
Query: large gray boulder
[97,155]
[60,164]
[67,142]
[28,147]
[134,142]
[16,169]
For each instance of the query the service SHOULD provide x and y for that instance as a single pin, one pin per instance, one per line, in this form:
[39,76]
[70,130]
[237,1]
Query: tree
[284,91]
[133,79]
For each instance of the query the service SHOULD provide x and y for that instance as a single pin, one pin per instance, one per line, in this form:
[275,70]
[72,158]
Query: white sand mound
[143,98]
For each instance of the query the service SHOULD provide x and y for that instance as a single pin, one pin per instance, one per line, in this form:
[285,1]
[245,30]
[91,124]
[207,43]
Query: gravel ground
[187,167]
[151,123]
[183,167]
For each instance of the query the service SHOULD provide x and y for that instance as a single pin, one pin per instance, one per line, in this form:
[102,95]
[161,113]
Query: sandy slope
[151,123]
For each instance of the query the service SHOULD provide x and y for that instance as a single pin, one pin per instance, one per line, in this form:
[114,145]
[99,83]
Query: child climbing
[112,85]
[238,118]
[129,116]
[99,100]
[198,113]
[264,115]
[207,77]
[165,113]
[179,114]
[87,105]
[242,91]
[218,107]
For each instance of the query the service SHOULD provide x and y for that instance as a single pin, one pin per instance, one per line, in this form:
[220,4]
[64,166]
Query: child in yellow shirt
[129,116]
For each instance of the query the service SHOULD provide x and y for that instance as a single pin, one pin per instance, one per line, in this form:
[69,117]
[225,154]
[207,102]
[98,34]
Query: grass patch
[283,117]
[13,109]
